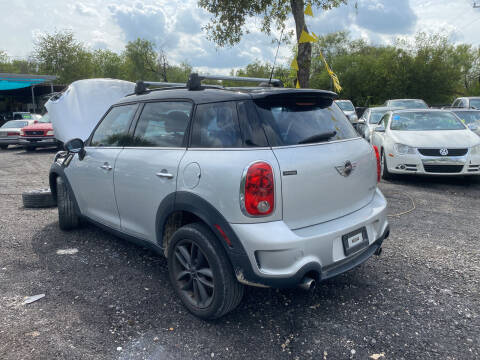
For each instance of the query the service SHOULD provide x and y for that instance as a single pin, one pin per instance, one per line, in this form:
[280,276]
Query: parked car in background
[40,134]
[348,109]
[19,115]
[467,102]
[169,169]
[10,132]
[406,103]
[371,117]
[470,117]
[429,142]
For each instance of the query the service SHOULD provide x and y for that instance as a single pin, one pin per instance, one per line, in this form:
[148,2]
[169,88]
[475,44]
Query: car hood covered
[436,138]
[39,126]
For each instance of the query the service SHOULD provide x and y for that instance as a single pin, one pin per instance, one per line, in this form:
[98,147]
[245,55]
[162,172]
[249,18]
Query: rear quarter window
[292,122]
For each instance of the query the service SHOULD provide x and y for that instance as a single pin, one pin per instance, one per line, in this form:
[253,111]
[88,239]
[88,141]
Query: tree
[141,60]
[229,23]
[62,55]
[107,64]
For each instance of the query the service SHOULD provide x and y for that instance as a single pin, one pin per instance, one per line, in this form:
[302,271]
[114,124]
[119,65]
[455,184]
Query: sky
[176,26]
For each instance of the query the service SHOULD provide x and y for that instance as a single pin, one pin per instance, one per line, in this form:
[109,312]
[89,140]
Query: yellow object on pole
[308,10]
[306,38]
[336,83]
[298,84]
[294,64]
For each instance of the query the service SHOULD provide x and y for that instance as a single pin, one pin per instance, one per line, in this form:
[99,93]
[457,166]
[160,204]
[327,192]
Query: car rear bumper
[38,141]
[280,257]
[434,165]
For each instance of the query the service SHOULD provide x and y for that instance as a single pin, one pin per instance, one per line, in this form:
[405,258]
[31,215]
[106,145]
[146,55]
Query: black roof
[217,94]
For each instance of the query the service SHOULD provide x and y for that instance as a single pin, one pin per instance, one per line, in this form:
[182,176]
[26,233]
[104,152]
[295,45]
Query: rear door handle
[164,174]
[106,166]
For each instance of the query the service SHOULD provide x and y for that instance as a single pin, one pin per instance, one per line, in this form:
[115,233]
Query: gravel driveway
[113,300]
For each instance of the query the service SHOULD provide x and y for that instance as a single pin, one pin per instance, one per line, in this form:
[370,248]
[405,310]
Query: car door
[92,177]
[377,136]
[146,171]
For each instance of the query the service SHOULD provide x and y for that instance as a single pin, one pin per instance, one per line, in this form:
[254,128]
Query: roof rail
[195,80]
[141,86]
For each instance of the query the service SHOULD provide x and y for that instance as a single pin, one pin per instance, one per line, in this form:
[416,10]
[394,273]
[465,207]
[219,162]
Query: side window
[250,127]
[384,121]
[216,126]
[162,124]
[113,130]
[456,103]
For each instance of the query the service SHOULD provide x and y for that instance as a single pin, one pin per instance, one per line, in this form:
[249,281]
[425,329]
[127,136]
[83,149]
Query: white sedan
[428,142]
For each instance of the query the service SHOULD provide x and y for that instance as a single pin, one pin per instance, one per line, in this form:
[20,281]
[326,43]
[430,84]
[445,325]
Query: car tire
[29,148]
[38,199]
[386,175]
[67,216]
[201,273]
[3,147]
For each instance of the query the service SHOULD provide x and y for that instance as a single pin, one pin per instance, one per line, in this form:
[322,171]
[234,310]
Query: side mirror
[76,146]
[472,127]
[380,128]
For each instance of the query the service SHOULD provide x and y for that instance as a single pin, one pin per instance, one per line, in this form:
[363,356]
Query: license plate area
[355,241]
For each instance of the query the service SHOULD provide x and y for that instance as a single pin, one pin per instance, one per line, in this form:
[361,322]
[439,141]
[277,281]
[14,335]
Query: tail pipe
[307,284]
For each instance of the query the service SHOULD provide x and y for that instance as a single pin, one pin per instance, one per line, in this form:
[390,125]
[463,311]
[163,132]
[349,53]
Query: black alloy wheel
[193,274]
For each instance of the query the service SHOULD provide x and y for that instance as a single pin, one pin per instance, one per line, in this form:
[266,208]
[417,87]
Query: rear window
[15,124]
[345,105]
[296,121]
[475,103]
[468,117]
[409,104]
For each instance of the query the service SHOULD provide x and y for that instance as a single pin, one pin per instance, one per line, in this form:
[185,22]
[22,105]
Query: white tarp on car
[77,111]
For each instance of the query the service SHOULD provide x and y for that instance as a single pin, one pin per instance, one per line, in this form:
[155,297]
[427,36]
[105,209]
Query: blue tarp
[18,81]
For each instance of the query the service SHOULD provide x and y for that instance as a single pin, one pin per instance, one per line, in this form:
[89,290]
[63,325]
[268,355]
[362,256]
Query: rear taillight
[258,190]
[379,167]
[12,133]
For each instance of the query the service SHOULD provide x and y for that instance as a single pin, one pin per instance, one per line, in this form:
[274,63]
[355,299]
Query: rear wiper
[318,137]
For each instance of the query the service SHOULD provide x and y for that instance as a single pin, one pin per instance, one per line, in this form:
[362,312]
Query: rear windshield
[14,124]
[422,120]
[409,104]
[298,122]
[468,117]
[376,116]
[475,103]
[345,105]
[44,119]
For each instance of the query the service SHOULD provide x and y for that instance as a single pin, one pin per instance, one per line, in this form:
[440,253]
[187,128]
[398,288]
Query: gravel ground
[111,299]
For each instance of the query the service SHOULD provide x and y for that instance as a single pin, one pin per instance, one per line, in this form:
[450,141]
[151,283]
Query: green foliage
[229,20]
[61,54]
[430,68]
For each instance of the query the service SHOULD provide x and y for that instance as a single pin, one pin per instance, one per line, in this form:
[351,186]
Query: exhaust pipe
[307,284]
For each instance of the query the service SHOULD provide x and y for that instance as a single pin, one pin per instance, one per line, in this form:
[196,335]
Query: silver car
[10,132]
[467,102]
[371,117]
[406,103]
[348,109]
[268,187]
